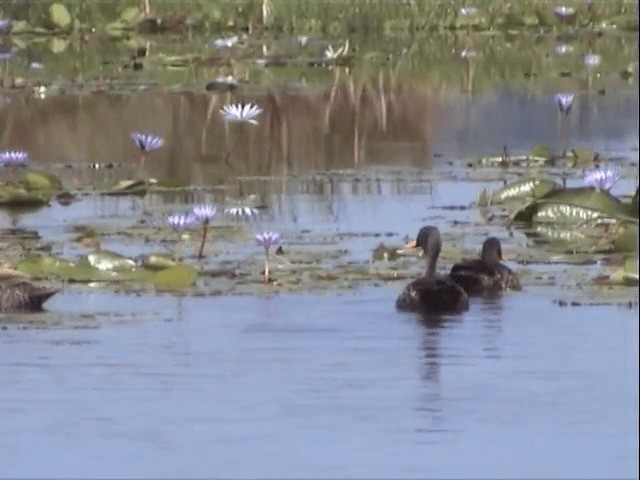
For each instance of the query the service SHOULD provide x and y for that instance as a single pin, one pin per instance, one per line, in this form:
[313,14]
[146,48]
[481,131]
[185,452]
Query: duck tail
[40,295]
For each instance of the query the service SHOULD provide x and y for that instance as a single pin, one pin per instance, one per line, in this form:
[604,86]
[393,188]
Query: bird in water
[431,293]
[485,275]
[18,294]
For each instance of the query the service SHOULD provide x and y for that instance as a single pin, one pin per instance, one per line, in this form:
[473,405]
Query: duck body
[17,294]
[432,294]
[485,275]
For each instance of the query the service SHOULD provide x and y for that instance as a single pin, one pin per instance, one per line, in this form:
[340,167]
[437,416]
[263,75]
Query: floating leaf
[130,15]
[59,16]
[15,196]
[34,180]
[110,261]
[177,277]
[156,261]
[574,205]
[129,187]
[526,189]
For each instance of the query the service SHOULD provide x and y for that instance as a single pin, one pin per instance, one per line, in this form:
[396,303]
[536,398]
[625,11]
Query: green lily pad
[16,196]
[541,151]
[156,261]
[177,277]
[525,189]
[574,205]
[59,16]
[128,187]
[130,15]
[109,261]
[34,180]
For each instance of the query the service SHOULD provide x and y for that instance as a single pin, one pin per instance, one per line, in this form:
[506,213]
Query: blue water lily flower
[241,212]
[564,101]
[239,112]
[146,143]
[204,213]
[591,60]
[14,158]
[563,12]
[602,178]
[267,240]
[181,221]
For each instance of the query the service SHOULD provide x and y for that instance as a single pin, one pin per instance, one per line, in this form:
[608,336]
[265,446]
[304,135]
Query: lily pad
[34,180]
[109,261]
[59,16]
[574,205]
[177,277]
[526,189]
[16,196]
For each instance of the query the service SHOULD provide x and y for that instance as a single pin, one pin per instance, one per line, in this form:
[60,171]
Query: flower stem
[178,248]
[266,264]
[205,227]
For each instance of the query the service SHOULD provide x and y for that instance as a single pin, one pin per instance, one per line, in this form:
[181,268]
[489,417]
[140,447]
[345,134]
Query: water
[335,385]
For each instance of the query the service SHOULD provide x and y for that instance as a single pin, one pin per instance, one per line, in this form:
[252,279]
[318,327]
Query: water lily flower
[14,158]
[602,178]
[563,49]
[241,212]
[204,213]
[226,42]
[564,102]
[146,143]
[468,11]
[180,221]
[239,112]
[563,12]
[591,60]
[267,240]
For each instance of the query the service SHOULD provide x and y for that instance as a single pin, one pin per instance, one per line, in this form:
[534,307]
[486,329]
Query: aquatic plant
[239,112]
[12,161]
[180,222]
[331,54]
[241,212]
[591,60]
[564,101]
[468,11]
[602,178]
[203,214]
[146,143]
[564,13]
[563,49]
[267,240]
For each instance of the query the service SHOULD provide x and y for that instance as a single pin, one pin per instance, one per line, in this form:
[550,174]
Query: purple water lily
[267,240]
[241,212]
[602,178]
[12,161]
[146,143]
[591,60]
[14,158]
[180,221]
[203,214]
[239,112]
[564,101]
[563,12]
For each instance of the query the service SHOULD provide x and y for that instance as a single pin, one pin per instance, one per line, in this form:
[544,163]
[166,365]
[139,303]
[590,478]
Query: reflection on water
[242,387]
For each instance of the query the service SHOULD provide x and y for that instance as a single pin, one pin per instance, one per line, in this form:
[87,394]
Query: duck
[432,294]
[485,275]
[18,294]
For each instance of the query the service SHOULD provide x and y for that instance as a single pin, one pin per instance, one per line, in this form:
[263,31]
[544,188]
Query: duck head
[491,250]
[429,240]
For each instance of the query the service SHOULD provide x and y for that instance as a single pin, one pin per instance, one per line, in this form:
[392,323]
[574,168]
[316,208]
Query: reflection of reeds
[318,130]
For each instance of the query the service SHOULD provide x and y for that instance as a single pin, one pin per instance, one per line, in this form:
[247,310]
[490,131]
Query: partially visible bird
[485,275]
[431,293]
[18,294]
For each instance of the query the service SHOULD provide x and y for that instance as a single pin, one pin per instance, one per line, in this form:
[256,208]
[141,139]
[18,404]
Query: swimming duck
[485,275]
[432,294]
[18,294]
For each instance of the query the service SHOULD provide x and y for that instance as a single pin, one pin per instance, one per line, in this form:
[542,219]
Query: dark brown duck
[485,275]
[18,294]
[432,294]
